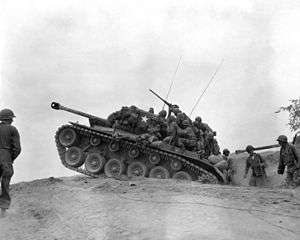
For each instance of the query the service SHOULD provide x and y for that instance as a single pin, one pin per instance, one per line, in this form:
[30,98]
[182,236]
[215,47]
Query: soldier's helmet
[180,116]
[210,135]
[6,114]
[162,113]
[151,110]
[186,123]
[176,110]
[198,119]
[249,148]
[226,151]
[282,138]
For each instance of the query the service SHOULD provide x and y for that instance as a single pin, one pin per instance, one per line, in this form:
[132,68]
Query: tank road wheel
[159,172]
[95,141]
[182,175]
[136,169]
[114,168]
[176,164]
[154,158]
[114,146]
[74,157]
[67,137]
[94,162]
[133,152]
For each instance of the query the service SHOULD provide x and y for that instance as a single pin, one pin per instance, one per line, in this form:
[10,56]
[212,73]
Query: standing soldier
[288,158]
[226,166]
[9,150]
[258,165]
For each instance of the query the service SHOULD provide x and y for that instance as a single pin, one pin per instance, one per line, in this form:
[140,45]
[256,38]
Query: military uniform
[289,159]
[187,136]
[257,164]
[211,145]
[9,150]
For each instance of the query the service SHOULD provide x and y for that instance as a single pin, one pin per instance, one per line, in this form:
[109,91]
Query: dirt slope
[85,208]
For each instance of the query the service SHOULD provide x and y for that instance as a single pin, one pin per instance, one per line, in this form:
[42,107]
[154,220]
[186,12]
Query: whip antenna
[173,78]
[212,78]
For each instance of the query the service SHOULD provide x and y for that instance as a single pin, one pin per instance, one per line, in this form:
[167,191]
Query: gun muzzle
[55,105]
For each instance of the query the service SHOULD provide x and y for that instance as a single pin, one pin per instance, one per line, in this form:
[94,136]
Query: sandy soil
[85,208]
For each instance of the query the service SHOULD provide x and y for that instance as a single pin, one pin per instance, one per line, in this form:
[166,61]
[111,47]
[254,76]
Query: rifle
[170,105]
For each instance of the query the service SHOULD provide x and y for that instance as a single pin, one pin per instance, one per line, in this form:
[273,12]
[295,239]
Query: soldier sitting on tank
[174,109]
[211,145]
[187,136]
[151,110]
[200,142]
[179,119]
[199,125]
[162,122]
[172,132]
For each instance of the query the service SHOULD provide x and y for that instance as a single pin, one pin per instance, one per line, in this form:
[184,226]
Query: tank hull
[96,150]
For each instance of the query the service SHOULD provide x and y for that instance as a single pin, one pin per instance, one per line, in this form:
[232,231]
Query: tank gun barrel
[58,106]
[259,148]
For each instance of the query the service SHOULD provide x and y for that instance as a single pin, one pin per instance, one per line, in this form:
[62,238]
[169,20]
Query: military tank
[105,147]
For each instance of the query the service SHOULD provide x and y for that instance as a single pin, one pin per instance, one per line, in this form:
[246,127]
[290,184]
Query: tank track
[202,174]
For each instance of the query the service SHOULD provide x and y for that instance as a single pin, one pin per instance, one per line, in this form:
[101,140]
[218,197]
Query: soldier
[172,132]
[199,125]
[258,165]
[174,109]
[151,110]
[288,158]
[211,145]
[162,123]
[226,166]
[187,136]
[179,119]
[9,150]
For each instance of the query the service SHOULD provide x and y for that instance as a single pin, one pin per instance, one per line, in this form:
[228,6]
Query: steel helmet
[249,148]
[282,138]
[6,114]
[162,113]
[198,119]
[185,122]
[226,151]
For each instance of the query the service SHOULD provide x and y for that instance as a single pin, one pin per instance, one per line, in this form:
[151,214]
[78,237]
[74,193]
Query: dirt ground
[83,208]
[80,207]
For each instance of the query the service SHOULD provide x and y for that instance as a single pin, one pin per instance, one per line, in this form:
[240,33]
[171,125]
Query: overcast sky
[97,56]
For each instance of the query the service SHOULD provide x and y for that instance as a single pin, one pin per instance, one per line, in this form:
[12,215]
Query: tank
[295,142]
[114,149]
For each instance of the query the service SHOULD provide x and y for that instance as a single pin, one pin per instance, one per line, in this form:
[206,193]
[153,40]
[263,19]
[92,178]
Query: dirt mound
[83,208]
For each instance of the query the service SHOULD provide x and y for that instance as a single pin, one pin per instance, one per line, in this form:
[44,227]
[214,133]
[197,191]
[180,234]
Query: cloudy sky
[97,56]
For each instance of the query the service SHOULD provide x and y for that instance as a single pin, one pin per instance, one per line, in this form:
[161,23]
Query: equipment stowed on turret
[117,146]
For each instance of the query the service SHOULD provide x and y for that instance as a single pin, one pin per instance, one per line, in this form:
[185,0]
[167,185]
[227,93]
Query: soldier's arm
[208,128]
[16,146]
[247,167]
[296,156]
[281,165]
[263,161]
